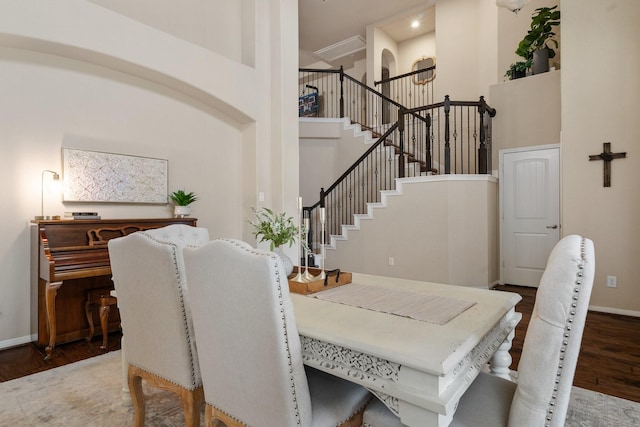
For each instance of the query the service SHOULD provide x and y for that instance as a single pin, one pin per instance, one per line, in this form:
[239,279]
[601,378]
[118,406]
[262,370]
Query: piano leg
[51,292]
[105,308]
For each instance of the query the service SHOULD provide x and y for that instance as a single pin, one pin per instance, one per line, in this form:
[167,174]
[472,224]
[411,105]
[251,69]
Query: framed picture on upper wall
[94,176]
[427,64]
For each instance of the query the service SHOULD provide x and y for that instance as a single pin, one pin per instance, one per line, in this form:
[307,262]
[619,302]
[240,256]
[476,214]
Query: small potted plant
[278,230]
[518,69]
[182,200]
[535,44]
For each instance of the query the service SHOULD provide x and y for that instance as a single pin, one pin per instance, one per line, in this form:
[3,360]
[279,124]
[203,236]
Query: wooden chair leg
[208,416]
[191,403]
[137,396]
[220,417]
[190,400]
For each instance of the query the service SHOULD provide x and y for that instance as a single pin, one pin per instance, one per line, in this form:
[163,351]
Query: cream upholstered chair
[549,355]
[149,278]
[250,351]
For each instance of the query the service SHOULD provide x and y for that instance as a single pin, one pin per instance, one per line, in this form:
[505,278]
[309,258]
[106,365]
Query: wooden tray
[334,278]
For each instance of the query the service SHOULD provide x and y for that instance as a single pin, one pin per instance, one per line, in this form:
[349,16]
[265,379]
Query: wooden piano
[75,253]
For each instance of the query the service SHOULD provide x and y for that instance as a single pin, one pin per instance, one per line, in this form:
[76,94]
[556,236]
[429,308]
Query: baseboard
[16,341]
[611,310]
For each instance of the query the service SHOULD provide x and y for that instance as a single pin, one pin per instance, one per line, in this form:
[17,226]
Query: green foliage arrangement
[518,69]
[181,198]
[276,228]
[541,32]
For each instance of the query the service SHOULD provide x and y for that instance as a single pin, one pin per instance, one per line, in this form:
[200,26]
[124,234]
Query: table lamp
[55,179]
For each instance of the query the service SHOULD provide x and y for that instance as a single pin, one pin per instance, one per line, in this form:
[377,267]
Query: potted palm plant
[181,199]
[536,44]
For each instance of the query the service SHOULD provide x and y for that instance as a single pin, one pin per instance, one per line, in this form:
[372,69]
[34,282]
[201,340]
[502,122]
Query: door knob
[553,227]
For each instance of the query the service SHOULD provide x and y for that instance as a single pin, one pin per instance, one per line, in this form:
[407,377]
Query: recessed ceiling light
[415,24]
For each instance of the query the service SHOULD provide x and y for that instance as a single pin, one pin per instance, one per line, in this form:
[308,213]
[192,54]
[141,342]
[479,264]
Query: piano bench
[102,299]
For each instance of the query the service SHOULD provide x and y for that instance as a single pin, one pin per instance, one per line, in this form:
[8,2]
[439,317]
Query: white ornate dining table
[418,368]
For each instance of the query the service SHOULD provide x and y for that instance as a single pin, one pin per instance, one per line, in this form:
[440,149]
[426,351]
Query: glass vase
[286,261]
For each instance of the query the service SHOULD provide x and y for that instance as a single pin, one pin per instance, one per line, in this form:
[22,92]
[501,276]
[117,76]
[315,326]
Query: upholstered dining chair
[150,282]
[249,348]
[549,355]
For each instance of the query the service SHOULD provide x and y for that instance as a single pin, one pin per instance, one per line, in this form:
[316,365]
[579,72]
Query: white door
[530,212]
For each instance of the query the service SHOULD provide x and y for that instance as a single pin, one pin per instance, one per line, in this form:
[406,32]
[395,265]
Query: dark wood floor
[609,360]
[28,359]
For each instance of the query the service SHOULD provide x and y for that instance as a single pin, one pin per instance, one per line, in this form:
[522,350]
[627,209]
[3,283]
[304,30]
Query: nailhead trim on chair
[228,415]
[194,382]
[567,333]
[276,259]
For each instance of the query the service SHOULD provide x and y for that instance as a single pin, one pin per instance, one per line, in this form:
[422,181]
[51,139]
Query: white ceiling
[323,23]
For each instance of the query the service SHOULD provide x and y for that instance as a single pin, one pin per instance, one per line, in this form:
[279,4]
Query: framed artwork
[308,105]
[93,176]
[425,63]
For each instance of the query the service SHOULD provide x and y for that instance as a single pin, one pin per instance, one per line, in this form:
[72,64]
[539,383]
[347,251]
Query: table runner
[434,309]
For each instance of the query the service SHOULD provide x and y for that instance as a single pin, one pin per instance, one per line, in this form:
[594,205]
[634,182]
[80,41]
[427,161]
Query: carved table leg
[501,360]
[50,296]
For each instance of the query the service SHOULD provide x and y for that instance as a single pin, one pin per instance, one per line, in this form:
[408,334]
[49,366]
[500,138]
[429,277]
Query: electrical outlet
[612,282]
[391,261]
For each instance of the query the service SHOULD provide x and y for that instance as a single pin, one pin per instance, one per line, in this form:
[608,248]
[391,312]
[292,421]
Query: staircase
[447,138]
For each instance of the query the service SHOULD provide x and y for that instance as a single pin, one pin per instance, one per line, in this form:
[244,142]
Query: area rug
[87,393]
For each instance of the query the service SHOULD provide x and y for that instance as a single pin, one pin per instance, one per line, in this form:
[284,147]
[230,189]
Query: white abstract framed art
[94,176]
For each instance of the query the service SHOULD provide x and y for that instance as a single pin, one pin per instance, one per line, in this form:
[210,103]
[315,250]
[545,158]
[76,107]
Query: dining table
[417,346]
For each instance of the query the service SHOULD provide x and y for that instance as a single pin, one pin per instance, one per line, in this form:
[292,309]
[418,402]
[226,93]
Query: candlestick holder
[299,277]
[323,218]
[306,276]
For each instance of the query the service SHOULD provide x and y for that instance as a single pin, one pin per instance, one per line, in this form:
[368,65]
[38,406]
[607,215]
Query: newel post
[428,160]
[447,136]
[401,113]
[341,92]
[482,150]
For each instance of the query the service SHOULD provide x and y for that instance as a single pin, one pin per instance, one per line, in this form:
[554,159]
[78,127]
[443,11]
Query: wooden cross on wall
[608,157]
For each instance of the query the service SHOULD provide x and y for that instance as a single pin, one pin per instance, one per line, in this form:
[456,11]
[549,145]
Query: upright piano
[73,258]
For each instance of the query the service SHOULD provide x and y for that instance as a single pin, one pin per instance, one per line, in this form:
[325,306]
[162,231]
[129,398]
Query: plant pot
[286,261]
[540,61]
[181,211]
[519,74]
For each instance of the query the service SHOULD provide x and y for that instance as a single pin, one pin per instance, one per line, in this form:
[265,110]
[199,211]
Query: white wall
[69,79]
[457,49]
[201,22]
[409,51]
[380,42]
[443,230]
[328,147]
[528,112]
[601,103]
